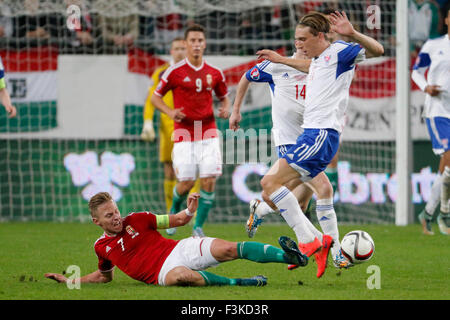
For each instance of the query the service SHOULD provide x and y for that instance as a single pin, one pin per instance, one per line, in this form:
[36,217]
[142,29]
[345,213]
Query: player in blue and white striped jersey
[327,93]
[5,99]
[288,89]
[435,57]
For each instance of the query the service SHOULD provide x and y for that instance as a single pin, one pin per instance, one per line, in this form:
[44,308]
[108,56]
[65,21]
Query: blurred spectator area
[233,27]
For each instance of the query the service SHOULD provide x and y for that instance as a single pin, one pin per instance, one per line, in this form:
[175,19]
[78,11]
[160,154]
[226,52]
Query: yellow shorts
[165,143]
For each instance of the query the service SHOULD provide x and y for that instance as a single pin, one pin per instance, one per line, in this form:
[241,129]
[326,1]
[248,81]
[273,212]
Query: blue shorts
[439,130]
[313,152]
[281,150]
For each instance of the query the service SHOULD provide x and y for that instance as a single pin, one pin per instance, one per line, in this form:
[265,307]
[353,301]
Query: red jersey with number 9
[192,89]
[138,250]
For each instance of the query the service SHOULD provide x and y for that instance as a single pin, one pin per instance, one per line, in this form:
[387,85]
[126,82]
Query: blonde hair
[97,200]
[316,21]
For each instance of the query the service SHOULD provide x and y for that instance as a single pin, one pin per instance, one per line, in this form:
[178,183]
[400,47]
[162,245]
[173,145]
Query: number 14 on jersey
[300,92]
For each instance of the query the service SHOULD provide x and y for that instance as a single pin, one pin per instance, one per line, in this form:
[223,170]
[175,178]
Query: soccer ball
[357,246]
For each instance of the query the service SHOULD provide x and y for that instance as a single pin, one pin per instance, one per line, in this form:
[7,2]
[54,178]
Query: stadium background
[80,106]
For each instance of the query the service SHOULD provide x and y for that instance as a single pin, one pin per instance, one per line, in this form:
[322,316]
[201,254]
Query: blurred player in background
[5,99]
[329,76]
[196,150]
[134,245]
[435,57]
[177,53]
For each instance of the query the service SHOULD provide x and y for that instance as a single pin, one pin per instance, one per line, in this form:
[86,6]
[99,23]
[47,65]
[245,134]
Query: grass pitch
[411,266]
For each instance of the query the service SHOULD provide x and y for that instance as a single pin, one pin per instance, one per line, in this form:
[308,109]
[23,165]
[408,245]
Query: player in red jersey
[134,245]
[196,144]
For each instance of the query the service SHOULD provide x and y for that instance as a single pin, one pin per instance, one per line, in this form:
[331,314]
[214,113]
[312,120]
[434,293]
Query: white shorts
[203,157]
[193,253]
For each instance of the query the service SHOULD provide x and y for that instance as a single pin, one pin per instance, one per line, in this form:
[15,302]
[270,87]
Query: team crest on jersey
[254,73]
[327,59]
[131,231]
[209,81]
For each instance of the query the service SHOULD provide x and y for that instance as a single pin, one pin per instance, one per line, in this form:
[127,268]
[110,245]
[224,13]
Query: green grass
[413,266]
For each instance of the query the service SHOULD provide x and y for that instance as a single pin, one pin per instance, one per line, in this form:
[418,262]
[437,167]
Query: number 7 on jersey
[121,243]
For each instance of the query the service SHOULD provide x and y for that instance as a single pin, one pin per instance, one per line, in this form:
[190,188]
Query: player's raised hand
[235,120]
[269,55]
[56,276]
[340,24]
[192,202]
[177,115]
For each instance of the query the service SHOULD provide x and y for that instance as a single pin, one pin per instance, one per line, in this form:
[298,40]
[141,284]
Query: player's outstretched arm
[272,56]
[183,217]
[241,91]
[94,277]
[5,99]
[341,25]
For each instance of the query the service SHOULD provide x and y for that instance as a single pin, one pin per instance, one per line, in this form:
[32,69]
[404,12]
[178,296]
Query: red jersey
[138,250]
[192,90]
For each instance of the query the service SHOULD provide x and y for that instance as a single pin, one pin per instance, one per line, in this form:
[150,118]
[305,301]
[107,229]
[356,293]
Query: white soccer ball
[357,246]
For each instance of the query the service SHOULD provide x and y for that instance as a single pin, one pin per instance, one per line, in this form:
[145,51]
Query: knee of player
[208,184]
[325,191]
[230,251]
[185,186]
[267,184]
[184,278]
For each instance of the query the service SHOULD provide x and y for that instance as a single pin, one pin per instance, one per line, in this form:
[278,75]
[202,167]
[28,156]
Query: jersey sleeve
[149,220]
[423,59]
[104,265]
[352,54]
[260,73]
[2,75]
[164,85]
[421,65]
[221,89]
